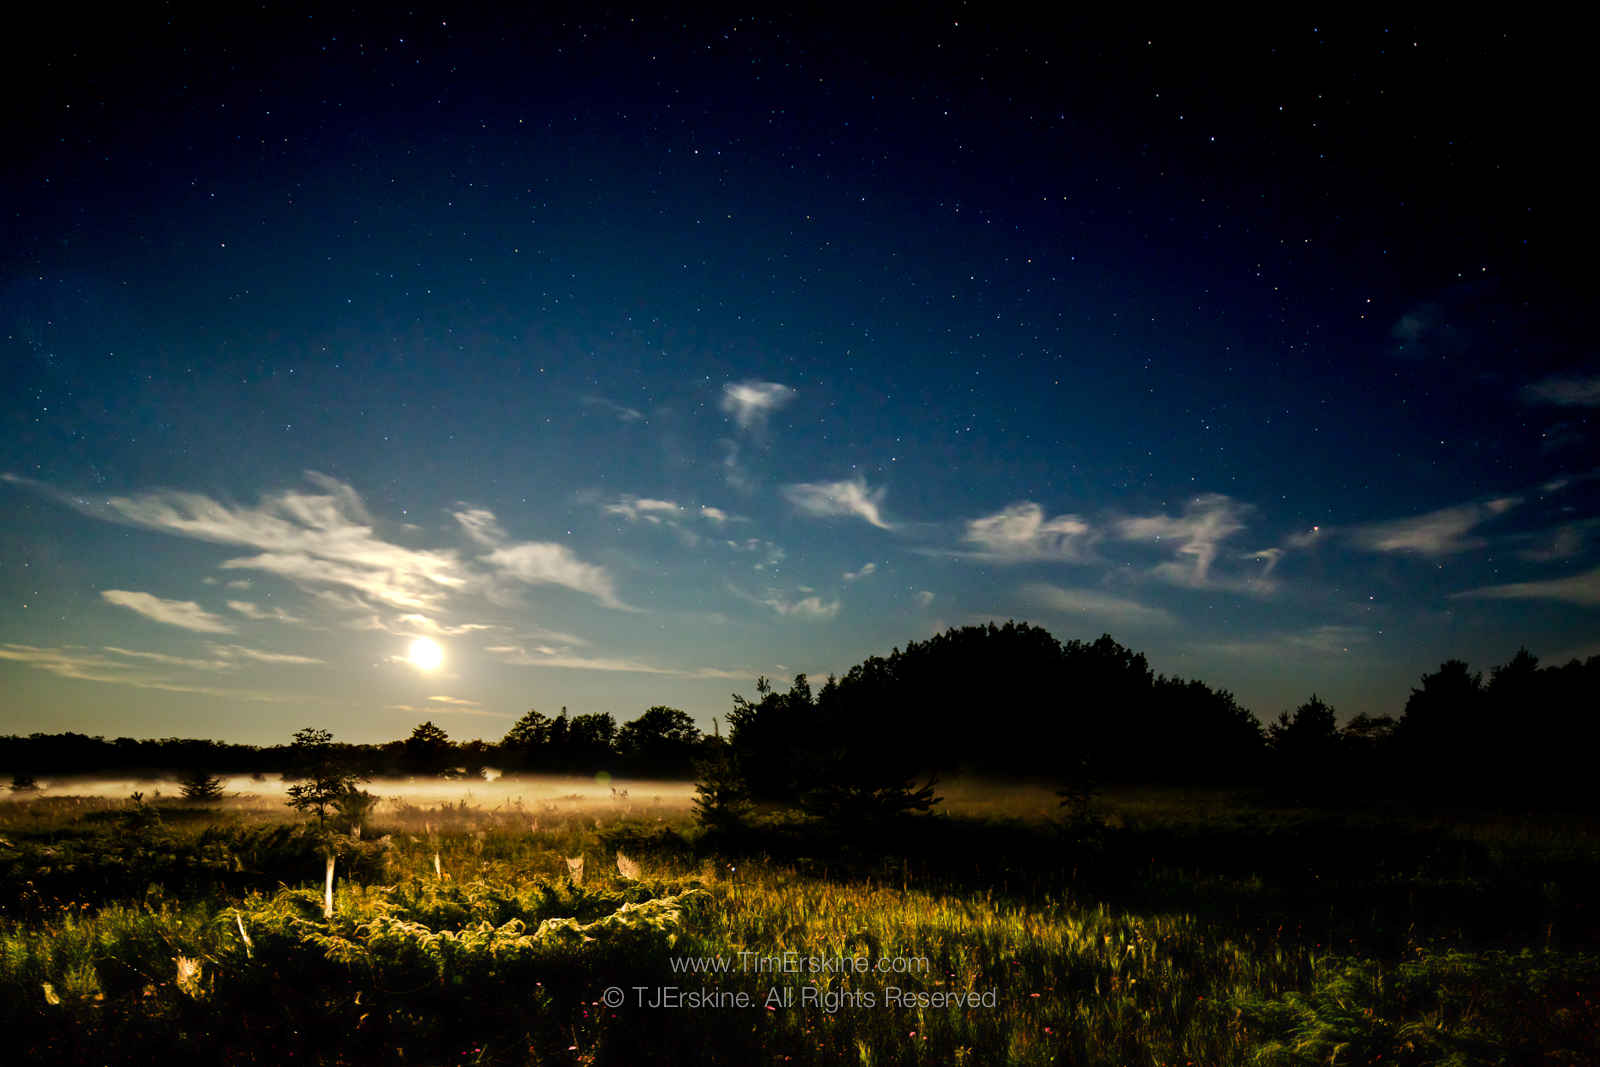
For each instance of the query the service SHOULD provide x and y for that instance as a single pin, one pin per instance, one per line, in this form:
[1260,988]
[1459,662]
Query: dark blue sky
[628,358]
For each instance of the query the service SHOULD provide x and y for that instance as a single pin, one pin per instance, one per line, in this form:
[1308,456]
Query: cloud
[1318,641]
[414,622]
[184,613]
[924,597]
[1431,328]
[481,525]
[733,469]
[547,656]
[82,665]
[1100,607]
[1328,639]
[666,513]
[623,414]
[549,563]
[1306,538]
[846,498]
[252,611]
[1583,589]
[811,607]
[866,570]
[771,554]
[1563,542]
[636,509]
[750,402]
[458,701]
[1207,521]
[1438,533]
[263,657]
[170,661]
[434,709]
[1564,392]
[321,538]
[1269,556]
[1020,533]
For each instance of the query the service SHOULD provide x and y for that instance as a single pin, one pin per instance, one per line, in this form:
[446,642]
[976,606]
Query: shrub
[200,786]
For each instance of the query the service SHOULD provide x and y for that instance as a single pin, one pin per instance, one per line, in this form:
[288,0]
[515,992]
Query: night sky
[625,359]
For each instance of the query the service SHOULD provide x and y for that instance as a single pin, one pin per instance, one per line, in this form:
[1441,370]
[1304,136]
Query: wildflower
[188,979]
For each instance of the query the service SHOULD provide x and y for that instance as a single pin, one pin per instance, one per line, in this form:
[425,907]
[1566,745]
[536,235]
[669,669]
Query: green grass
[1192,930]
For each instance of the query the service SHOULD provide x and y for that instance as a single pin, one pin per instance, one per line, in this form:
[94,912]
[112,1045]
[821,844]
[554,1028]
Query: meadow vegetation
[1174,927]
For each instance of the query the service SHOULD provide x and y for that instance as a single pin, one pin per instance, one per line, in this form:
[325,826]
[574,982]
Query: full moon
[425,654]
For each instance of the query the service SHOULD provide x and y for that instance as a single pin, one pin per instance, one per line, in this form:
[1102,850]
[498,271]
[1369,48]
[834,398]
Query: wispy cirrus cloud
[1195,537]
[326,542]
[552,656]
[621,411]
[1312,644]
[811,607]
[1437,533]
[261,656]
[1583,589]
[254,611]
[1097,606]
[1020,533]
[1566,541]
[481,525]
[1580,391]
[794,606]
[866,570]
[850,498]
[415,622]
[644,509]
[171,661]
[750,402]
[1269,557]
[184,613]
[680,518]
[80,664]
[317,539]
[770,555]
[437,709]
[550,563]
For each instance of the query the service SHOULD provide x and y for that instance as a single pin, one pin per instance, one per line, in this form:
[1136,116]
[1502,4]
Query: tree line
[1007,701]
[662,742]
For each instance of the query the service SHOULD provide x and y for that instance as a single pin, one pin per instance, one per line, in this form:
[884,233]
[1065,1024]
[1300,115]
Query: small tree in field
[720,795]
[200,786]
[1078,791]
[324,781]
[24,783]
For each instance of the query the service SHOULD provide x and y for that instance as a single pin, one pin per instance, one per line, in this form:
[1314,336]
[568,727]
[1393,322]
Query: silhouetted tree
[200,786]
[322,776]
[528,740]
[1305,748]
[428,750]
[661,741]
[720,796]
[773,739]
[1439,737]
[591,742]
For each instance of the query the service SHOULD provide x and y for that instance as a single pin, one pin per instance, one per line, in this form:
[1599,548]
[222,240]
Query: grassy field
[1180,928]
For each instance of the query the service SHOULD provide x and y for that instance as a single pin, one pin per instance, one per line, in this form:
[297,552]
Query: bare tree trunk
[327,892]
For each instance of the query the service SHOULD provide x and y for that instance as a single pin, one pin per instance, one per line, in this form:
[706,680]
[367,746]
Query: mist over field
[247,791]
